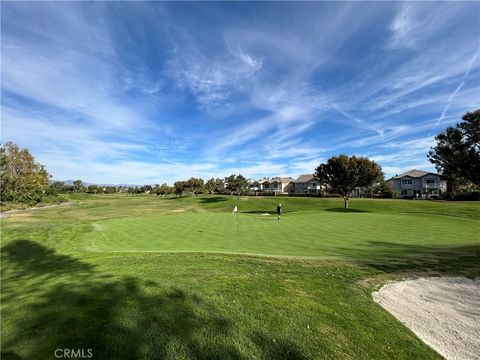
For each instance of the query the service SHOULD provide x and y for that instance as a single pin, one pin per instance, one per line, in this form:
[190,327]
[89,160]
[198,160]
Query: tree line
[237,184]
[234,183]
[456,156]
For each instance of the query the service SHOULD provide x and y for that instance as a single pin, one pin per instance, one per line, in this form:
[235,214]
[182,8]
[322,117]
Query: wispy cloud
[458,88]
[142,92]
[412,27]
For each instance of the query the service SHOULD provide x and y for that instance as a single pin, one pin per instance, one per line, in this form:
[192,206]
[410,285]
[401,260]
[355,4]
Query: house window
[266,186]
[314,184]
[404,192]
[430,182]
[407,182]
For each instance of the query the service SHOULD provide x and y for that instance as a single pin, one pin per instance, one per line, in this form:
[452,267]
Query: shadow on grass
[115,317]
[261,212]
[33,258]
[343,210]
[276,348]
[391,257]
[9,355]
[122,320]
[212,199]
[118,318]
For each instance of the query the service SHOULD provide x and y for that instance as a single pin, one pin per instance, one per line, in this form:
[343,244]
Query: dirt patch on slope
[5,214]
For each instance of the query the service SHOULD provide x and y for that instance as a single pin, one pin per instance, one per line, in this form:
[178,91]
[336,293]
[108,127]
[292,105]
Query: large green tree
[22,179]
[342,174]
[236,183]
[457,152]
[179,187]
[163,189]
[110,189]
[56,187]
[94,189]
[195,185]
[147,189]
[214,185]
[78,186]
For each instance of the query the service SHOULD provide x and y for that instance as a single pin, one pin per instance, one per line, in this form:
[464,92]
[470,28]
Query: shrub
[465,196]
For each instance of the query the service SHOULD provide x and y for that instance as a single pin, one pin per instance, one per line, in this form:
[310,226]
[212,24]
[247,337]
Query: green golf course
[143,277]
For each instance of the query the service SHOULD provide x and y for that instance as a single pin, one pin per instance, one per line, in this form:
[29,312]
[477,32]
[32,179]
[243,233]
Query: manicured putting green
[318,233]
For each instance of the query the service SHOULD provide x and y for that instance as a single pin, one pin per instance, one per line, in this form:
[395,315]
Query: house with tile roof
[418,184]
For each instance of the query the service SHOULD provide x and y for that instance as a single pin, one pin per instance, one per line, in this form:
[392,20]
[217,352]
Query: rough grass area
[44,201]
[81,276]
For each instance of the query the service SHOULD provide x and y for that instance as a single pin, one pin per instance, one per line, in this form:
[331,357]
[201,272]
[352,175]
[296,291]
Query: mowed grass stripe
[296,234]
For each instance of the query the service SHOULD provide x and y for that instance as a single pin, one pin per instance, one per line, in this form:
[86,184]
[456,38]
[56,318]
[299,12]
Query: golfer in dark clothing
[279,211]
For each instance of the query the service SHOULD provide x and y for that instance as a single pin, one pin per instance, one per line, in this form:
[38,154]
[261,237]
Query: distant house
[273,186]
[278,185]
[360,192]
[307,184]
[257,185]
[417,184]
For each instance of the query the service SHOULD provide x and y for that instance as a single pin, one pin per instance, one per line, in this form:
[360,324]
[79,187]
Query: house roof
[281,179]
[305,178]
[414,174]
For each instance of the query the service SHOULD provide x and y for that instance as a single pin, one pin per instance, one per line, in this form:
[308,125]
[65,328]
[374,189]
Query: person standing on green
[279,211]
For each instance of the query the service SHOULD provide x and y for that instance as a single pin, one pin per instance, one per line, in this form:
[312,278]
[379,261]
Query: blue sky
[115,92]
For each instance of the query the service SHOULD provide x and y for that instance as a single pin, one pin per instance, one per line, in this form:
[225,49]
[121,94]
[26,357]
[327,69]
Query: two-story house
[278,185]
[257,185]
[273,186]
[307,184]
[418,184]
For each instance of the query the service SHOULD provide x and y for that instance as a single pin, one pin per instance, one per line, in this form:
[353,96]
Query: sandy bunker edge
[444,312]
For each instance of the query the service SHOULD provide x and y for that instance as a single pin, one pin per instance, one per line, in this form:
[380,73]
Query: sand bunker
[444,312]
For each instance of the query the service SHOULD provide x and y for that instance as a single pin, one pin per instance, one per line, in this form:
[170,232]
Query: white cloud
[268,97]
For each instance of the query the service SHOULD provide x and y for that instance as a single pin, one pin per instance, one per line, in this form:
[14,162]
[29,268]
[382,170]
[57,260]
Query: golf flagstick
[236,220]
[235,211]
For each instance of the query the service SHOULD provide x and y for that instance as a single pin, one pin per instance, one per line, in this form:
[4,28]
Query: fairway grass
[150,278]
[357,234]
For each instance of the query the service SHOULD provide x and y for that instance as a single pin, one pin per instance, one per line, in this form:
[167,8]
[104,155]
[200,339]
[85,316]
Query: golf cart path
[442,311]
[6,214]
